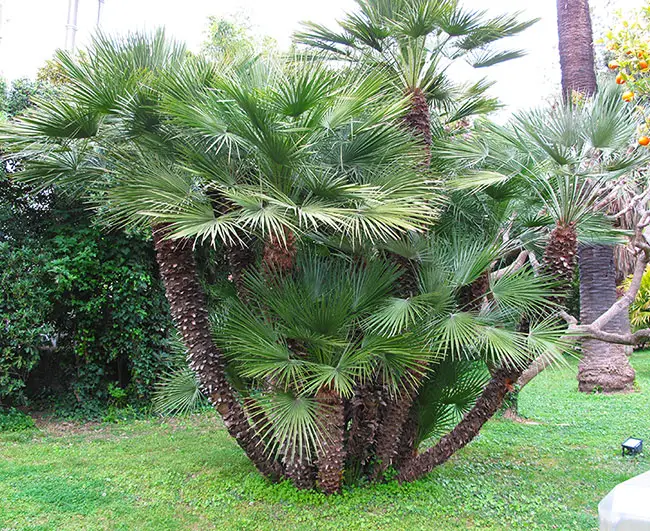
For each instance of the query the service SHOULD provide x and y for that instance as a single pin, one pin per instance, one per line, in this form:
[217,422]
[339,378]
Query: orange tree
[628,47]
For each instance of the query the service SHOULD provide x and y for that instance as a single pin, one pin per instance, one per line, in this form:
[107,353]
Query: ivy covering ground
[187,474]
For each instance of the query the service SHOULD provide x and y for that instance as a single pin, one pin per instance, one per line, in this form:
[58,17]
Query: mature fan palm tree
[415,41]
[604,366]
[569,157]
[267,155]
[304,174]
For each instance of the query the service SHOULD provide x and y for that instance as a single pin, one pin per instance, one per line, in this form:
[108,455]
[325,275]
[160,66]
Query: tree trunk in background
[604,367]
[189,311]
[576,48]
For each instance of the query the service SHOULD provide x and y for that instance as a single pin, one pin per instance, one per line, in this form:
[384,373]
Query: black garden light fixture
[632,446]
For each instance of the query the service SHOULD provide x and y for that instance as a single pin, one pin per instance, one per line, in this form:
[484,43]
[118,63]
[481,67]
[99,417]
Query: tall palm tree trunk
[189,311]
[576,47]
[604,366]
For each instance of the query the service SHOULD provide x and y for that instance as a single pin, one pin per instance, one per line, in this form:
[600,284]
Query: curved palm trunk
[604,366]
[485,408]
[188,308]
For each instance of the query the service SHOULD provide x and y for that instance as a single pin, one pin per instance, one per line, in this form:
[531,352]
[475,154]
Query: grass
[187,474]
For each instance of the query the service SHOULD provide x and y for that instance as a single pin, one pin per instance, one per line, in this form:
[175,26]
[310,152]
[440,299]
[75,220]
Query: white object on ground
[627,506]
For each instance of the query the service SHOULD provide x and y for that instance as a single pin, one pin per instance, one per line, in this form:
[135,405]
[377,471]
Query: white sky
[32,29]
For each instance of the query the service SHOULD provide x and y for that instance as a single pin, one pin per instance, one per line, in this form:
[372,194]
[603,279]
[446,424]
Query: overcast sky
[32,29]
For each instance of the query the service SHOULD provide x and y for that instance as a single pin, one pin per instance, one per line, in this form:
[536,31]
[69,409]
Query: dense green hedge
[80,309]
[83,317]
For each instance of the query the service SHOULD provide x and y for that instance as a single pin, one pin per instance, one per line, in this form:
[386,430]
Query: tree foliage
[305,178]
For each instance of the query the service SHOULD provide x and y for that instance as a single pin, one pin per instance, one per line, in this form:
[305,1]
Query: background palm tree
[558,166]
[415,41]
[576,48]
[604,366]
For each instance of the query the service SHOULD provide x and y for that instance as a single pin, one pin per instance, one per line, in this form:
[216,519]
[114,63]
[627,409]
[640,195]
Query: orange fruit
[644,140]
[620,79]
[643,65]
[641,55]
[628,96]
[613,65]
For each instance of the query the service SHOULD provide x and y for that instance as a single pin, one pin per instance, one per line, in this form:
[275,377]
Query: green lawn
[187,474]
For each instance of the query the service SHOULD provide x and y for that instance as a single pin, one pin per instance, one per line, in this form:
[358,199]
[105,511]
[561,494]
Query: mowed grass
[187,474]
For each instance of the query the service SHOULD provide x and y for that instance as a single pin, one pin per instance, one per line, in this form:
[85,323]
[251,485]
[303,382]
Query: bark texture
[471,296]
[241,258]
[301,472]
[280,256]
[486,406]
[331,456]
[605,366]
[189,311]
[364,424]
[418,120]
[408,441]
[576,47]
[395,413]
[407,283]
[560,257]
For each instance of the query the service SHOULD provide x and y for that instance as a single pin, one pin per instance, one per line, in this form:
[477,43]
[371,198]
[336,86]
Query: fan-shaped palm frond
[415,40]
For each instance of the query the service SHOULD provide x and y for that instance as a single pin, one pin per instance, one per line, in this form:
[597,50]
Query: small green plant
[14,420]
[640,308]
[117,395]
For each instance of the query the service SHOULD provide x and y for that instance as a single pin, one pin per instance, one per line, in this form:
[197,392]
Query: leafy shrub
[14,420]
[79,309]
[25,312]
[640,308]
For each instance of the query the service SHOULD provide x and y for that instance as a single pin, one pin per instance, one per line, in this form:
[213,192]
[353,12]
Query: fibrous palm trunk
[560,258]
[559,262]
[391,428]
[486,406]
[364,423]
[396,410]
[241,258]
[604,366]
[189,311]
[331,454]
[418,120]
[576,47]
